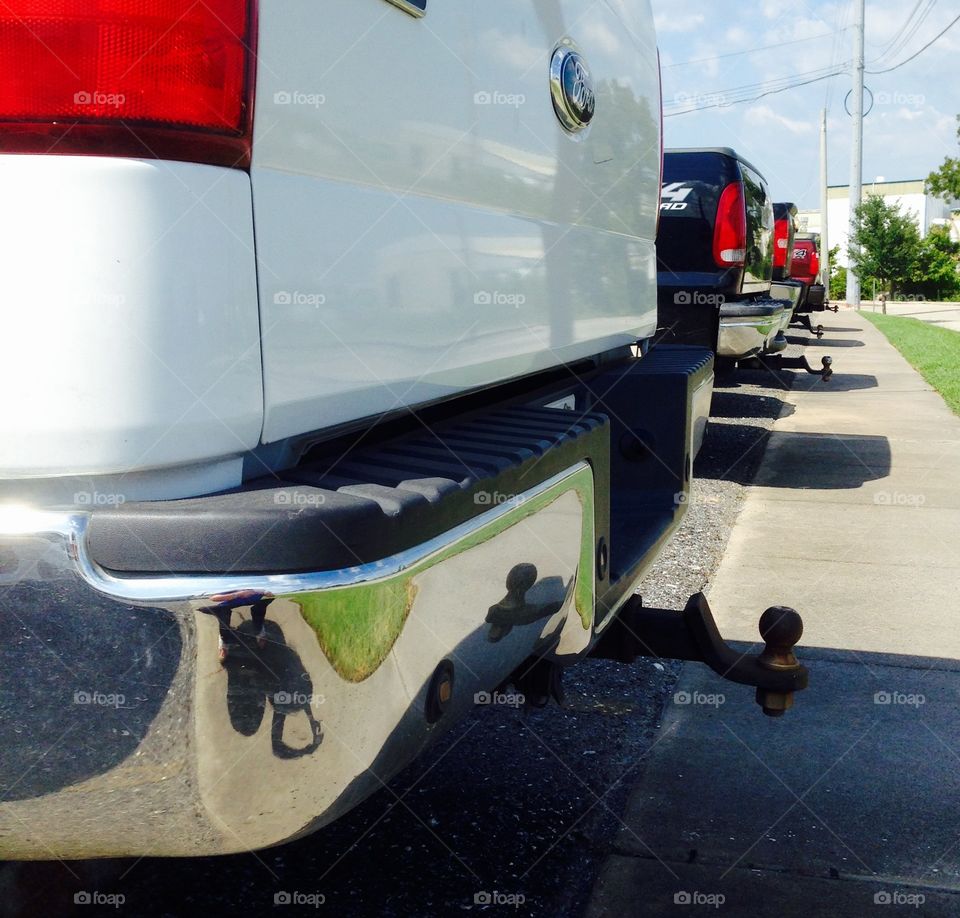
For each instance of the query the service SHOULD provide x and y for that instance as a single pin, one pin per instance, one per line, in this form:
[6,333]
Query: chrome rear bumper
[123,734]
[748,336]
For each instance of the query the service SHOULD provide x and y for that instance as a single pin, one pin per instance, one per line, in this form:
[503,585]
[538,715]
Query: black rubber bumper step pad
[337,511]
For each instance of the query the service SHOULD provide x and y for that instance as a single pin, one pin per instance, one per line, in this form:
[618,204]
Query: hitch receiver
[693,635]
[803,321]
[777,362]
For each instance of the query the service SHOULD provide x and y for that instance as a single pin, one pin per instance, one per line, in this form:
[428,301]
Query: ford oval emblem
[571,85]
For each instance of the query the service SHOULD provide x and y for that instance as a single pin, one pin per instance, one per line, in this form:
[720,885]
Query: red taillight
[814,264]
[781,239]
[164,78]
[730,232]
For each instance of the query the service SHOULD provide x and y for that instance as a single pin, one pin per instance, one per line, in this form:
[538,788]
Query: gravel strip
[510,803]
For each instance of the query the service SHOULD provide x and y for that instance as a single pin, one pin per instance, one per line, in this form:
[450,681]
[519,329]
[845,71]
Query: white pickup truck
[329,405]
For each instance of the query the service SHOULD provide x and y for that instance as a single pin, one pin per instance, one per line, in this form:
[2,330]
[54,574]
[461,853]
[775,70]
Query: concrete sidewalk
[850,802]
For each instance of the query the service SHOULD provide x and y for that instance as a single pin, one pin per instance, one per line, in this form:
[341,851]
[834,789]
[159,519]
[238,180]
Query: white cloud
[763,116]
[671,22]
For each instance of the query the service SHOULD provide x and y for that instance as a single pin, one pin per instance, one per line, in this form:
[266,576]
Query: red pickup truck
[805,267]
[806,261]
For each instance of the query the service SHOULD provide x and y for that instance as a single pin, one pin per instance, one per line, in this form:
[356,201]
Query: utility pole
[856,161]
[824,222]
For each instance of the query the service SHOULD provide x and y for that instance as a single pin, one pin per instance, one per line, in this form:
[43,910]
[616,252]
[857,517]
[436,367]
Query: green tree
[936,273]
[885,245]
[838,276]
[945,182]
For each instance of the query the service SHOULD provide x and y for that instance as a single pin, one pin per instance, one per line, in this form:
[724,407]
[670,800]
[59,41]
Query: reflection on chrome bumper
[789,295]
[746,337]
[123,734]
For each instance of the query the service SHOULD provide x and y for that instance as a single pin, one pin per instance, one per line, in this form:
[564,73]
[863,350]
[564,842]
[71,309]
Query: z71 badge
[413,7]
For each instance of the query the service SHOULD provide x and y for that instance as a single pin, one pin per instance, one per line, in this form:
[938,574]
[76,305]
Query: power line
[836,56]
[770,92]
[815,76]
[901,30]
[774,82]
[918,53]
[904,37]
[780,44]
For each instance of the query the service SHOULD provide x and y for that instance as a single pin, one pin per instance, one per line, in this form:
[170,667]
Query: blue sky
[909,132]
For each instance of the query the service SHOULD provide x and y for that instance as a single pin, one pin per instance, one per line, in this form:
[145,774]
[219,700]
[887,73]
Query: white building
[910,195]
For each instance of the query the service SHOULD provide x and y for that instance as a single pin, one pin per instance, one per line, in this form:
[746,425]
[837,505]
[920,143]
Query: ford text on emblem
[571,85]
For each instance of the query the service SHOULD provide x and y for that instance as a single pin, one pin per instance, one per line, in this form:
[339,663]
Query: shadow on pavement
[745,405]
[802,460]
[825,342]
[824,461]
[848,382]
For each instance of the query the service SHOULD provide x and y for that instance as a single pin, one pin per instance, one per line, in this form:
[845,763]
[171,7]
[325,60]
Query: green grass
[934,352]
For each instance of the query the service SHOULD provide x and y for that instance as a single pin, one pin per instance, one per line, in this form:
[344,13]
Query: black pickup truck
[715,255]
[785,287]
[716,261]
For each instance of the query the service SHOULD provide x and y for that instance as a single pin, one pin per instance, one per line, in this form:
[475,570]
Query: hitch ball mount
[775,363]
[804,321]
[693,635]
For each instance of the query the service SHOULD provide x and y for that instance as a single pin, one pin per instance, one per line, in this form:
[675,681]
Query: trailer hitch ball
[819,331]
[827,368]
[781,629]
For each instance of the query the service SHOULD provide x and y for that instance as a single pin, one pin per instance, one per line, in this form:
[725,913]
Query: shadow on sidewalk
[846,382]
[824,461]
[744,405]
[825,342]
[802,460]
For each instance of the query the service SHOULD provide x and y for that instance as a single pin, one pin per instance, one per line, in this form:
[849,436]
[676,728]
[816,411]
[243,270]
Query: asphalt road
[513,812]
